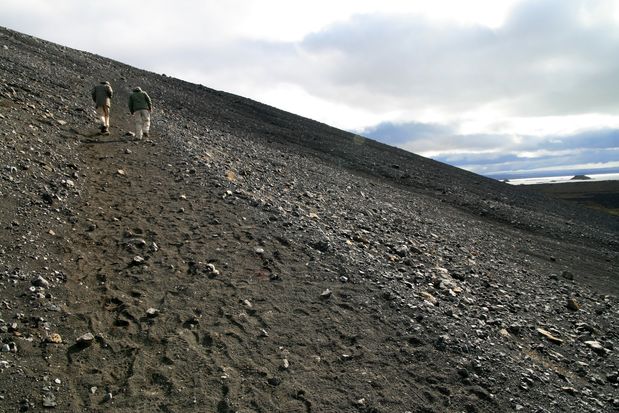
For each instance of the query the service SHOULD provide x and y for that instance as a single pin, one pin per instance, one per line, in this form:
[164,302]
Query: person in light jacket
[140,107]
[102,96]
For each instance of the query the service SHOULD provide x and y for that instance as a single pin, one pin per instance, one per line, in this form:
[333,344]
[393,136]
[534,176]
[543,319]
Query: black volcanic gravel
[243,259]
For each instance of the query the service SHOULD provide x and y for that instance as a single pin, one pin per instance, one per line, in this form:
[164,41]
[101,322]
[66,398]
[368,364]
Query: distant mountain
[567,172]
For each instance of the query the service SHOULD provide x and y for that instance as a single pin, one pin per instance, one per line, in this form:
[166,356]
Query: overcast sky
[493,86]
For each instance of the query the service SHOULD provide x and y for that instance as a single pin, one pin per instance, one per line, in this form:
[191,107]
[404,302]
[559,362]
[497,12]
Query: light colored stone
[211,268]
[49,401]
[40,282]
[596,346]
[429,298]
[85,338]
[152,312]
[54,338]
[550,336]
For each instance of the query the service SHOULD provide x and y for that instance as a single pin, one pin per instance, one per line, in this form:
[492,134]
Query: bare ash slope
[248,260]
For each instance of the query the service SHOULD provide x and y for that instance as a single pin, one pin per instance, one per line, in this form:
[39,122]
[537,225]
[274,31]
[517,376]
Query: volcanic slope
[243,259]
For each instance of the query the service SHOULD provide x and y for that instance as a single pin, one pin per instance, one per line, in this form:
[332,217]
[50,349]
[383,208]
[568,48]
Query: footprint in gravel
[224,404]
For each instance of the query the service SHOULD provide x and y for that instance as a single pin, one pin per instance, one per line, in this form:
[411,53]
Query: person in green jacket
[140,107]
[102,96]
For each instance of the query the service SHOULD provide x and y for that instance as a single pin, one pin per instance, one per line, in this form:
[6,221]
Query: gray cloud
[545,60]
[546,153]
[401,133]
[492,153]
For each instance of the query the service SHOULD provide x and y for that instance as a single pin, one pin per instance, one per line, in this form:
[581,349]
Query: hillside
[599,195]
[244,259]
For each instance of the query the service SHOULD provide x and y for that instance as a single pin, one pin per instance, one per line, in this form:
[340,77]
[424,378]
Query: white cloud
[536,125]
[298,100]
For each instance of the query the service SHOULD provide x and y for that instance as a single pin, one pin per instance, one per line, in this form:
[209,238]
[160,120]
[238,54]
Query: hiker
[140,107]
[102,95]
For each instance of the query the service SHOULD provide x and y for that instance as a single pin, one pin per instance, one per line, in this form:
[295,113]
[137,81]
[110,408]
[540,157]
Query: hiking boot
[146,134]
[102,128]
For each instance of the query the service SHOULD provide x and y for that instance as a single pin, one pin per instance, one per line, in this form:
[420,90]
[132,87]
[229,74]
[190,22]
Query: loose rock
[573,305]
[85,339]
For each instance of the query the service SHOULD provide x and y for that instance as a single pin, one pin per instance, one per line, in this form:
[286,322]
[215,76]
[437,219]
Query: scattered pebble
[40,282]
[138,260]
[49,400]
[152,312]
[54,338]
[596,346]
[211,269]
[550,336]
[85,339]
[572,304]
